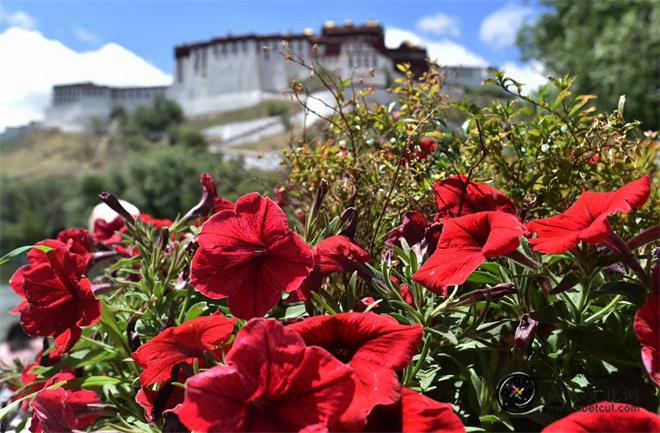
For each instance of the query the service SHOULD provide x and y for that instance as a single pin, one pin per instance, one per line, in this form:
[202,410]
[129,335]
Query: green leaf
[95,381]
[294,311]
[634,292]
[569,281]
[196,310]
[483,278]
[20,250]
[13,405]
[601,344]
[110,326]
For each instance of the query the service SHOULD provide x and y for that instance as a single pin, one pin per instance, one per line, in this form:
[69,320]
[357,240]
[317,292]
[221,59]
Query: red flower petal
[465,243]
[375,346]
[184,343]
[340,254]
[272,382]
[646,324]
[333,254]
[79,242]
[16,284]
[415,413]
[157,223]
[586,219]
[59,410]
[454,198]
[146,398]
[107,233]
[607,416]
[60,299]
[250,256]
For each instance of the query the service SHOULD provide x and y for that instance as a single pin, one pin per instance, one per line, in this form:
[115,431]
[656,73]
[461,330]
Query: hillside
[45,154]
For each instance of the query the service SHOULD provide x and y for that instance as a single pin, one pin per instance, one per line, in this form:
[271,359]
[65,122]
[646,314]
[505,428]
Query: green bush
[544,149]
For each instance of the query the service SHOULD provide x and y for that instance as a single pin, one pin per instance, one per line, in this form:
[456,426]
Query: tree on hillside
[613,46]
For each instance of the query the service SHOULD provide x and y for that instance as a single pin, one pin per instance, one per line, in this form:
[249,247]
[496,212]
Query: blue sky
[152,28]
[123,42]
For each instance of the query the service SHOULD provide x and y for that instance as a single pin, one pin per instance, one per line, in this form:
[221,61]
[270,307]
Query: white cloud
[439,24]
[530,74]
[445,51]
[501,27]
[17,19]
[85,36]
[26,78]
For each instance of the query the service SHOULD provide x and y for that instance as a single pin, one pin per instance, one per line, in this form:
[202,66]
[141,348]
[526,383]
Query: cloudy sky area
[132,43]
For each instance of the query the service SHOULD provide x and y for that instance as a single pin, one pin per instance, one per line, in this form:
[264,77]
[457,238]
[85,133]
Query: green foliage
[153,121]
[188,137]
[611,45]
[545,149]
[551,148]
[359,153]
[161,180]
[166,179]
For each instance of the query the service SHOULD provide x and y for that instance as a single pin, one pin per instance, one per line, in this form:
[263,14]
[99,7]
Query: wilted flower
[525,333]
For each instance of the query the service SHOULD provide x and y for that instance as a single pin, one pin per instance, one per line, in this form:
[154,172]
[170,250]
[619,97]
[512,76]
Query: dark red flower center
[342,352]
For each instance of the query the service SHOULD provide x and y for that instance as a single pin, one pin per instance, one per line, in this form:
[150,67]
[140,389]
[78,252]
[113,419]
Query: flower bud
[349,220]
[116,206]
[525,333]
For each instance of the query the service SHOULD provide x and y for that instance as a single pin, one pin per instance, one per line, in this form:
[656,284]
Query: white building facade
[75,105]
[233,72]
[238,71]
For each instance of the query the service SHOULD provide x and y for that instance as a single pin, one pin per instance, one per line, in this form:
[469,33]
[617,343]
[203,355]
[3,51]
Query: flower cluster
[227,319]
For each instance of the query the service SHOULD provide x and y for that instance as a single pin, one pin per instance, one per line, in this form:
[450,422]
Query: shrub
[399,294]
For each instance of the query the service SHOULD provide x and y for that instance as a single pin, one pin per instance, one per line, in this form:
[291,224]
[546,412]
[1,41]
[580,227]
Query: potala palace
[232,72]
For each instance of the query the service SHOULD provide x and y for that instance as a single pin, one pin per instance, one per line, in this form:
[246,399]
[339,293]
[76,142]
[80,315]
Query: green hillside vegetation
[50,180]
[263,109]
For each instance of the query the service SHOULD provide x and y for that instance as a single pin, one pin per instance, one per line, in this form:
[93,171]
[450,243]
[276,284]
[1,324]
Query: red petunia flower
[210,201]
[31,383]
[414,413]
[281,196]
[16,284]
[607,416]
[61,410]
[420,233]
[374,346]
[465,243]
[108,233]
[250,256]
[60,299]
[147,399]
[365,303]
[185,343]
[404,290]
[78,241]
[333,254]
[647,321]
[271,382]
[155,222]
[455,198]
[427,147]
[586,219]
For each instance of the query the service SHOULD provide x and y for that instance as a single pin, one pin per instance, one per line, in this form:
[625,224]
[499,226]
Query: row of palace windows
[72,95]
[362,61]
[200,56]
